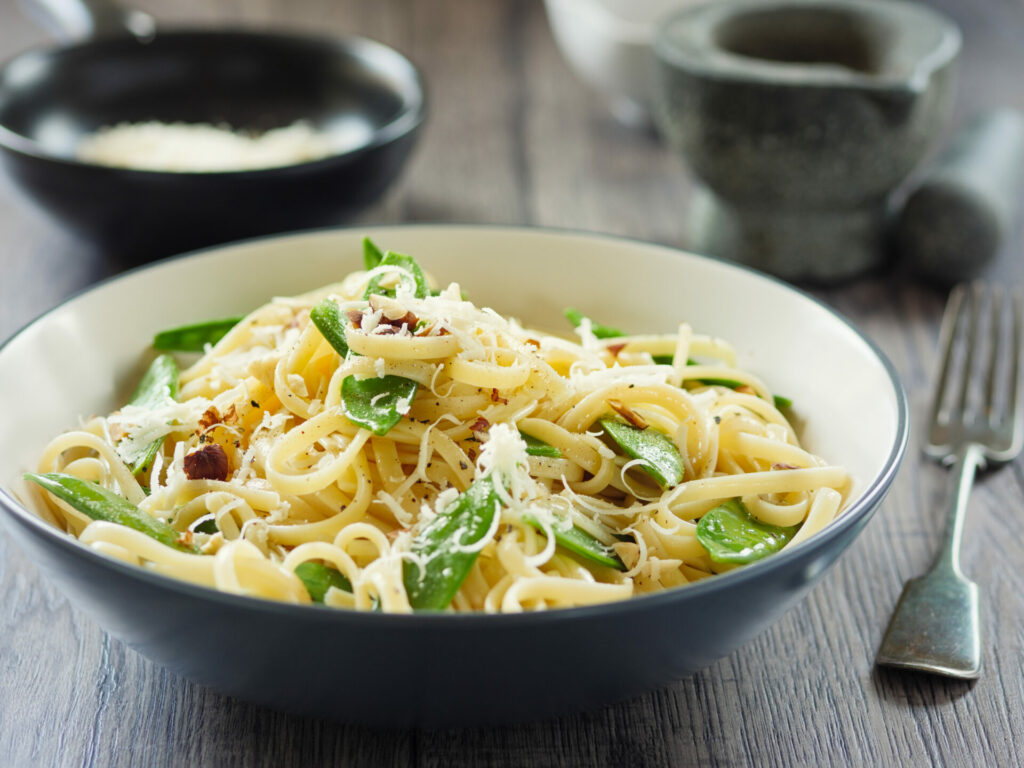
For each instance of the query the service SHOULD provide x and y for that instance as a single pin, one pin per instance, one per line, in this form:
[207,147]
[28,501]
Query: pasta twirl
[405,449]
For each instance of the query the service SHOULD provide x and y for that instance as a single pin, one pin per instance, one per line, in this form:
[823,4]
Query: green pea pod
[441,547]
[576,317]
[779,400]
[536,447]
[581,543]
[731,535]
[158,385]
[195,337]
[658,455]
[374,403]
[372,255]
[318,578]
[412,276]
[730,383]
[326,316]
[98,503]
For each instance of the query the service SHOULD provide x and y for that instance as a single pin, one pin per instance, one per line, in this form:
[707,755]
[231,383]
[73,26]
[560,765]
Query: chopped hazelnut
[207,463]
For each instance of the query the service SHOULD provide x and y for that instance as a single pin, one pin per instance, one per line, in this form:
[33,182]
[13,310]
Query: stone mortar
[800,117]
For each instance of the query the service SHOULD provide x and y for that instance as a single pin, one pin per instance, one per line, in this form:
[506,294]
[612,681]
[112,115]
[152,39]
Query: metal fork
[977,419]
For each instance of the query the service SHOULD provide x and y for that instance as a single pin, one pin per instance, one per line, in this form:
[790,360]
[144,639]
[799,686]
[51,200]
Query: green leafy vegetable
[581,543]
[442,561]
[326,316]
[658,455]
[412,276]
[663,359]
[731,535]
[318,578]
[779,400]
[208,525]
[576,317]
[372,255]
[194,338]
[158,385]
[730,383]
[536,447]
[98,503]
[377,403]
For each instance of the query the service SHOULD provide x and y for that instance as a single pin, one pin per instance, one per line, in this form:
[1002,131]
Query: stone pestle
[964,209]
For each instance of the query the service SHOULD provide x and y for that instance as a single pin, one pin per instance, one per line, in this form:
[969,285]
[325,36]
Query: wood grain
[513,138]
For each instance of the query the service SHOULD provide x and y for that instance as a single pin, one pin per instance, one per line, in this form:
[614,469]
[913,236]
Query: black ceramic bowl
[363,95]
[449,669]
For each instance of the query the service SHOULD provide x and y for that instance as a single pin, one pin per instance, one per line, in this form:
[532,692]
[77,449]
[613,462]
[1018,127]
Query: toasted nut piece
[628,414]
[208,462]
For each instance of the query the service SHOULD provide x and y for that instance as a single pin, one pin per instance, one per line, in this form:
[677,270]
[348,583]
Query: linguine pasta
[263,465]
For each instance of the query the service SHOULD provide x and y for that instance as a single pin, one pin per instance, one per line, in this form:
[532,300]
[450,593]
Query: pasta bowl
[443,668]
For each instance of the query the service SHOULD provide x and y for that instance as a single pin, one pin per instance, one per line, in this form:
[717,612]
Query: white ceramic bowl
[83,356]
[609,44]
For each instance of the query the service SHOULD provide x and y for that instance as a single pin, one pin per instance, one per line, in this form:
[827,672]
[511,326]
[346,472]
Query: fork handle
[966,462]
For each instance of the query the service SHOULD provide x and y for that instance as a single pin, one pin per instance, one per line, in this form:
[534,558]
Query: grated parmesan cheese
[141,426]
[155,146]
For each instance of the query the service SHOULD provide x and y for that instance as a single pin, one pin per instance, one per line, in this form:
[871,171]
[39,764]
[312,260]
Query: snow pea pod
[658,455]
[377,403]
[444,551]
[326,316]
[731,535]
[779,400]
[98,503]
[581,543]
[600,331]
[158,385]
[195,337]
[412,276]
[318,578]
[537,447]
[372,255]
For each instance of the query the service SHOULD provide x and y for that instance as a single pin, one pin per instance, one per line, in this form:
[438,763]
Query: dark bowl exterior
[250,80]
[139,216]
[438,670]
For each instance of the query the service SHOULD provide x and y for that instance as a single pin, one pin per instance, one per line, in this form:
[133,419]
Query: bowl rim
[860,511]
[713,61]
[410,117]
[623,30]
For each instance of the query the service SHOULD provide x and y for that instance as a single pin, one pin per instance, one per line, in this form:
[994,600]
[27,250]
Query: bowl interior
[353,90]
[84,356]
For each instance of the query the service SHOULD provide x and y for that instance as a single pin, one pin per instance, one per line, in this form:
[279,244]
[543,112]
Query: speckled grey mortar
[800,117]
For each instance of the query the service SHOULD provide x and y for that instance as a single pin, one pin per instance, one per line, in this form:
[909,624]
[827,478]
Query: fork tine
[1015,396]
[947,336]
[995,353]
[974,299]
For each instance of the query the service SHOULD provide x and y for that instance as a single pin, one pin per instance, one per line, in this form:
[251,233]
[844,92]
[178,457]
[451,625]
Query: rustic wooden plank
[513,138]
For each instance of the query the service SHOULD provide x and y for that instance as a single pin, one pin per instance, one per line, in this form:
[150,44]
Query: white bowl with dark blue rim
[82,357]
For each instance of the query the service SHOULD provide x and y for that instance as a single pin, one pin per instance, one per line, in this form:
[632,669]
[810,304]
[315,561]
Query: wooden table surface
[513,138]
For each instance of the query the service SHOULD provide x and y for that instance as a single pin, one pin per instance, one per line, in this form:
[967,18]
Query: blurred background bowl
[609,45]
[450,669]
[365,98]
